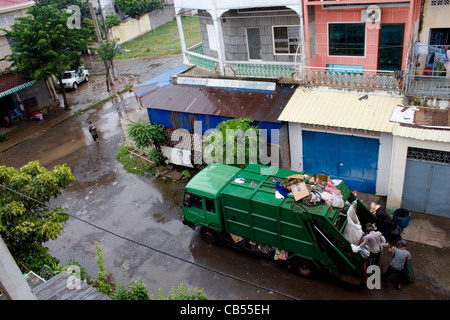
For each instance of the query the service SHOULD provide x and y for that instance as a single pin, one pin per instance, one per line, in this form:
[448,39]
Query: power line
[154,249]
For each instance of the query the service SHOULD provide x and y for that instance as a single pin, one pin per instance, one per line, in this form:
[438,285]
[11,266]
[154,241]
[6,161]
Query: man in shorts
[93,131]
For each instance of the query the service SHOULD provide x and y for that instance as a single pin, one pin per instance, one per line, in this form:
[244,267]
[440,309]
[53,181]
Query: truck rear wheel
[303,267]
[209,236]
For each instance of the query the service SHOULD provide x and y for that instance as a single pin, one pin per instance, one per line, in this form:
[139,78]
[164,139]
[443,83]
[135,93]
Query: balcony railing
[428,86]
[263,69]
[349,78]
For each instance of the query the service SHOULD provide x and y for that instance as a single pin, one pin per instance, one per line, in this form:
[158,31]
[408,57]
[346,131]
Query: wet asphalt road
[136,221]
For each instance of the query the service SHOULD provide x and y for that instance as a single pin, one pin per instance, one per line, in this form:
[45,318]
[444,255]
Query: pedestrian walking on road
[93,131]
[400,258]
[375,243]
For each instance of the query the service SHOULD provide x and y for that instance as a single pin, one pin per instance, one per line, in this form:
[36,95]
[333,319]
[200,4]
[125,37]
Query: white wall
[296,146]
[224,5]
[398,165]
[384,164]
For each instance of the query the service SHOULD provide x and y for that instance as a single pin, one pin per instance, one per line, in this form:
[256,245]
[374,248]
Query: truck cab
[201,200]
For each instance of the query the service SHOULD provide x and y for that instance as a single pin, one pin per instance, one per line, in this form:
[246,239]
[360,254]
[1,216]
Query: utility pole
[109,79]
[13,285]
[106,31]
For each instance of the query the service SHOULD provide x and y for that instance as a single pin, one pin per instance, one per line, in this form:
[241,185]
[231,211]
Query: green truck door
[201,210]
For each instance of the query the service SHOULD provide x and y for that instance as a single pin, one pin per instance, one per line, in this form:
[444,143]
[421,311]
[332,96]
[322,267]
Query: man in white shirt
[375,243]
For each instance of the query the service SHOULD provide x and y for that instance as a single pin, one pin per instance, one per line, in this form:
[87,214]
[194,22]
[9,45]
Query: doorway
[390,47]
[254,43]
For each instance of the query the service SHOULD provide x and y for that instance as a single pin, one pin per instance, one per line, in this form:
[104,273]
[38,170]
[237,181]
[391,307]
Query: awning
[18,88]
[362,111]
[425,134]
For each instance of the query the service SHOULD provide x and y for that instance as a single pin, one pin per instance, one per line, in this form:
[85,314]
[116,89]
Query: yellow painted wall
[131,29]
[134,28]
[433,17]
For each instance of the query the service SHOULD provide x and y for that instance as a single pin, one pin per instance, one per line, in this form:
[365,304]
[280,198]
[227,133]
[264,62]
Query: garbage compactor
[284,215]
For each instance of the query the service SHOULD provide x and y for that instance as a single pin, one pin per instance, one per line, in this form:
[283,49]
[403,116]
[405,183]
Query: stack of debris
[312,190]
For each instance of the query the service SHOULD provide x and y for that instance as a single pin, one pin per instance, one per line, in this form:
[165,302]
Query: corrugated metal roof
[341,109]
[426,134]
[10,80]
[234,103]
[57,288]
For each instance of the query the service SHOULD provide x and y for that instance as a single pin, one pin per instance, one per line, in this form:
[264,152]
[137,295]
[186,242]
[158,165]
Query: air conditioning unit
[371,15]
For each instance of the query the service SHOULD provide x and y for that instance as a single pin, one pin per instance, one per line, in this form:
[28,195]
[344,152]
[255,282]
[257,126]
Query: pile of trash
[260,247]
[321,189]
[312,190]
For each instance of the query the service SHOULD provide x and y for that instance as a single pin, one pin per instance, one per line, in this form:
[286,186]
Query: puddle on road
[61,151]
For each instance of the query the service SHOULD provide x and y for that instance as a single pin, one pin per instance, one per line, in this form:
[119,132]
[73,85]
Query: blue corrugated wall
[183,120]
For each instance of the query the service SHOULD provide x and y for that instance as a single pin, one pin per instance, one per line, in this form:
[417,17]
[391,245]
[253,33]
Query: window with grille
[286,39]
[438,3]
[429,155]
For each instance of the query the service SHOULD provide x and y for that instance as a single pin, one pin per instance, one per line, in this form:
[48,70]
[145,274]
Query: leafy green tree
[23,220]
[235,142]
[107,51]
[112,20]
[64,4]
[146,135]
[45,46]
[136,8]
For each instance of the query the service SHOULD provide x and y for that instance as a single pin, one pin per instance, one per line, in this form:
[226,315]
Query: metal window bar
[429,155]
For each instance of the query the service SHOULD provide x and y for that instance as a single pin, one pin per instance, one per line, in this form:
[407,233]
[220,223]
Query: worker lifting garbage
[313,223]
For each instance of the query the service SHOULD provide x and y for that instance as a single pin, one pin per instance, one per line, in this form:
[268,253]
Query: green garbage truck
[247,209]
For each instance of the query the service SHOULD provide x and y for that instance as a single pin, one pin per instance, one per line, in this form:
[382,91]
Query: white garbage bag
[334,200]
[353,231]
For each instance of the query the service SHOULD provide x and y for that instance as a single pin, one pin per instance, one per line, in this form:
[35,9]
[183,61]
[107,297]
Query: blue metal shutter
[425,187]
[352,159]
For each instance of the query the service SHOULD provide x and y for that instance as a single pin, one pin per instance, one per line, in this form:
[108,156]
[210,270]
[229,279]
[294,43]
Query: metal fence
[353,79]
[311,76]
[427,85]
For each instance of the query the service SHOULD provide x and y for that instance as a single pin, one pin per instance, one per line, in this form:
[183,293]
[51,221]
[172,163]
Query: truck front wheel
[209,236]
[303,267]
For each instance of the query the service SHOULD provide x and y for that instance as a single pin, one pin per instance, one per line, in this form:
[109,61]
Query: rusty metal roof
[10,80]
[225,102]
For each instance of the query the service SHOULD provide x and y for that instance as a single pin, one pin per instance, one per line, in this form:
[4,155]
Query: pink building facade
[343,33]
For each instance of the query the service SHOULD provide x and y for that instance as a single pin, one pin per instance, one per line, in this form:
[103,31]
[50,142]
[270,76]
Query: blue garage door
[352,159]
